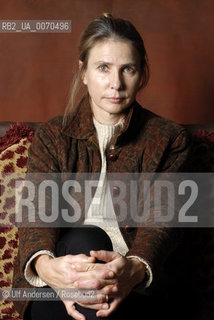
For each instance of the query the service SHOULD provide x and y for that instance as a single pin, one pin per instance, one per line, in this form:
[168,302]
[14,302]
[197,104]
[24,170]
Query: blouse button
[112,147]
[113,156]
[116,191]
[128,229]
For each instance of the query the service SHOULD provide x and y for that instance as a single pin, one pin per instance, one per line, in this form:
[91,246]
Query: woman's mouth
[115,100]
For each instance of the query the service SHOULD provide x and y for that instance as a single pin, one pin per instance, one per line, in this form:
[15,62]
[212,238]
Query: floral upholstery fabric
[13,159]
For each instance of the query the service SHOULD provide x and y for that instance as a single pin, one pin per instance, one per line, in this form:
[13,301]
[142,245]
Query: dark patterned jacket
[147,143]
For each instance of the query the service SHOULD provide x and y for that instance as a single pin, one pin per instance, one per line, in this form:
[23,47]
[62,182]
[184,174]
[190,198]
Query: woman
[108,131]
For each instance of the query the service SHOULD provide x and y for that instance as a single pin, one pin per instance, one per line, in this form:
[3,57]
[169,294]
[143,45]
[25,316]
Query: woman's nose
[116,80]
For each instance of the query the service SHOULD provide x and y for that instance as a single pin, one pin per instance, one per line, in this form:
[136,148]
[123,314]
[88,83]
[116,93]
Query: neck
[111,120]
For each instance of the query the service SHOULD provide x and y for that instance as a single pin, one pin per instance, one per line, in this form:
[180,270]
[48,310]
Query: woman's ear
[82,72]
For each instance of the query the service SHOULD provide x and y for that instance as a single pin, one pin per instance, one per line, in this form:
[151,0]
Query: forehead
[114,51]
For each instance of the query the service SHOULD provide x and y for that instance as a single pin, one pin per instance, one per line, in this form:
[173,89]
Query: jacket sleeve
[154,243]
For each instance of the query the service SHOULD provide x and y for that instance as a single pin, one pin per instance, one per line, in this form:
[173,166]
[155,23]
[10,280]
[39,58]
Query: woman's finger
[79,258]
[72,311]
[98,306]
[104,255]
[112,307]
[88,266]
[94,269]
[94,283]
[98,298]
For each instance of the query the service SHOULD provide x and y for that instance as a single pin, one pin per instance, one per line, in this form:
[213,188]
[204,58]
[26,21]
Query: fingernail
[105,306]
[111,274]
[73,266]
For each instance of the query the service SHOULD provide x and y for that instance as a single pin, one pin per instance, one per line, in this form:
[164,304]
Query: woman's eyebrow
[109,63]
[132,64]
[102,62]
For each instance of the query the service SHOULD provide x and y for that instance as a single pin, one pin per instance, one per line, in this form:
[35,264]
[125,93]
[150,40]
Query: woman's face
[112,77]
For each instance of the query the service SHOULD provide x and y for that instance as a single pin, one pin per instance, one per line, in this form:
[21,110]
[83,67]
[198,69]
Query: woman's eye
[128,69]
[103,68]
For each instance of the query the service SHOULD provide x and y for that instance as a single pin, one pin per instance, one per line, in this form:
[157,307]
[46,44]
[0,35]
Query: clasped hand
[114,278]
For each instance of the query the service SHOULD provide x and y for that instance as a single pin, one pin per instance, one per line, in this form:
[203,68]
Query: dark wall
[36,69]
